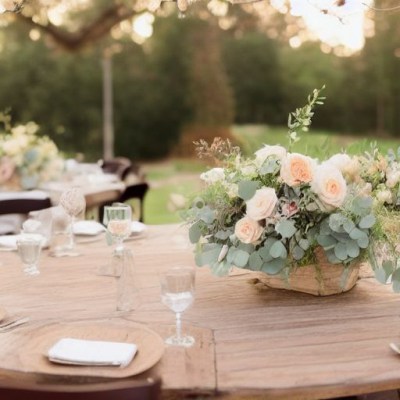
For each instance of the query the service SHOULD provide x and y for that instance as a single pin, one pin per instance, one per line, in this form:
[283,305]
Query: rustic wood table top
[273,343]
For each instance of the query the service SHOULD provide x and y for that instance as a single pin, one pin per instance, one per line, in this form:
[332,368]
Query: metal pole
[108,125]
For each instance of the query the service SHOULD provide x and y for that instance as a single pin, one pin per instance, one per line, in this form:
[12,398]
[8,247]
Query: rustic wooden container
[321,279]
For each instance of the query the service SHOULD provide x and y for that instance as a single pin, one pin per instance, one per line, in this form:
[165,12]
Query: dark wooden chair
[135,191]
[148,389]
[23,206]
[120,166]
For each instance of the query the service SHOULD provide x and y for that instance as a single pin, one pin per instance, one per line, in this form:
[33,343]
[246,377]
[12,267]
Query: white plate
[137,228]
[88,228]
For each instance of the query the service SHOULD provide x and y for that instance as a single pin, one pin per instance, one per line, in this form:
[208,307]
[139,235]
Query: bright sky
[332,24]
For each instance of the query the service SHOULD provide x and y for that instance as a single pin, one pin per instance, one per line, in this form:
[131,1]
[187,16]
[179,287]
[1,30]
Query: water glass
[29,249]
[118,220]
[128,288]
[177,293]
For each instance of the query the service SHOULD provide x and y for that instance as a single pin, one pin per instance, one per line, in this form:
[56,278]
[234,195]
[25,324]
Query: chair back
[23,202]
[120,166]
[148,389]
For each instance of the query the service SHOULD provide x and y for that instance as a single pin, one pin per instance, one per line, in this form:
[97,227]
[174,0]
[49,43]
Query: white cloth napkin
[92,352]
[137,227]
[90,228]
[9,241]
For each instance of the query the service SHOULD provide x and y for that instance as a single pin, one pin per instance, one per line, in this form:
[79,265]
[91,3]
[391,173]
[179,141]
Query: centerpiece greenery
[26,159]
[271,212]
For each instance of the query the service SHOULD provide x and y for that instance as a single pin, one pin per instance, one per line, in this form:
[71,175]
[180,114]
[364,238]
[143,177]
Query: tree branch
[95,30]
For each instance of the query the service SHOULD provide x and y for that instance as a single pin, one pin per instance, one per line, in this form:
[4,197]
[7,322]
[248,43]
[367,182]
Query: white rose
[213,175]
[247,230]
[340,161]
[392,177]
[297,169]
[384,196]
[329,185]
[262,204]
[278,152]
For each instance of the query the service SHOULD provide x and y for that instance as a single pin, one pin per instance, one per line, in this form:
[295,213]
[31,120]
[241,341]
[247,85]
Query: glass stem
[178,326]
[71,232]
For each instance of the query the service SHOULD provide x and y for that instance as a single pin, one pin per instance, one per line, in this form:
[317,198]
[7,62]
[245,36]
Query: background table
[272,343]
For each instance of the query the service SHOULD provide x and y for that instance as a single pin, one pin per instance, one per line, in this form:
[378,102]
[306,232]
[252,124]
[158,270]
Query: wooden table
[269,343]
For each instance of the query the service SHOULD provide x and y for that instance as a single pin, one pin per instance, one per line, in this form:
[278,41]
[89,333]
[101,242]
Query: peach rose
[262,204]
[247,230]
[296,169]
[329,185]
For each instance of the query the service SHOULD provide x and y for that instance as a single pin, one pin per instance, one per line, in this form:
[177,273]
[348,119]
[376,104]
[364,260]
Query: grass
[174,179]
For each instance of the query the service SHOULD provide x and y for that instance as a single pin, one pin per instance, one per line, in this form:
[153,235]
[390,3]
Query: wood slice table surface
[249,341]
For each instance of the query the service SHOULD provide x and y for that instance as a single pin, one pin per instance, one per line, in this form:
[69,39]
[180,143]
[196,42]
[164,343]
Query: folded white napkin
[137,227]
[88,228]
[92,352]
[9,241]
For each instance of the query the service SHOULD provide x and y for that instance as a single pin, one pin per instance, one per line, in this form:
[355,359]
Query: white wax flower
[213,175]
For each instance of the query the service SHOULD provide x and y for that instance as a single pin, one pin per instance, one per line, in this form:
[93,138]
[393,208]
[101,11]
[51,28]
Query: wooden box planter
[320,279]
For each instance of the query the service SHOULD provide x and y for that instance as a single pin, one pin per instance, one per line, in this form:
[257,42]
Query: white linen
[92,352]
[11,223]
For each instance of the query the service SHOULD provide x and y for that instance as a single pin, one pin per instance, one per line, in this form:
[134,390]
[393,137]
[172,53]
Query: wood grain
[269,343]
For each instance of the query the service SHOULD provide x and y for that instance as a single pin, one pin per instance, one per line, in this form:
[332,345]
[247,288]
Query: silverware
[12,323]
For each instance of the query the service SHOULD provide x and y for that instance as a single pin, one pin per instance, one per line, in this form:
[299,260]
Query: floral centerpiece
[279,211]
[26,159]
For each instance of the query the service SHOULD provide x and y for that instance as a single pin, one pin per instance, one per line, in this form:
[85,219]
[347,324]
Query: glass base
[31,270]
[184,341]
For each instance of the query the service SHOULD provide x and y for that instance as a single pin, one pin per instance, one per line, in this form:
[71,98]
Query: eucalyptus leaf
[247,189]
[286,228]
[195,232]
[367,222]
[336,222]
[265,254]
[274,266]
[270,166]
[363,242]
[326,241]
[223,235]
[209,257]
[353,250]
[304,244]
[381,275]
[241,258]
[255,261]
[298,253]
[348,225]
[356,234]
[221,268]
[341,251]
[388,266]
[278,250]
[207,215]
[330,255]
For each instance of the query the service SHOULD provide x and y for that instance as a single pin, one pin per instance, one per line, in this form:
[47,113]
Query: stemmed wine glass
[118,220]
[177,293]
[73,202]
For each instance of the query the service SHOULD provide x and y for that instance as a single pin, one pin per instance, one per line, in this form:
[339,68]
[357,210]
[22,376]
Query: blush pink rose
[297,169]
[262,204]
[330,186]
[247,230]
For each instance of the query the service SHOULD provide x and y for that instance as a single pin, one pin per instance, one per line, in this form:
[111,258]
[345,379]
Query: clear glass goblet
[73,202]
[118,220]
[177,293]
[29,249]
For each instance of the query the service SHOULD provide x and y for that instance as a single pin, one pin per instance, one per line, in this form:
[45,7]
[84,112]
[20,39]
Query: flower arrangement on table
[26,159]
[273,211]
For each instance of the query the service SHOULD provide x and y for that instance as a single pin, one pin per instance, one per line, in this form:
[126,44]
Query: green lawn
[174,178]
